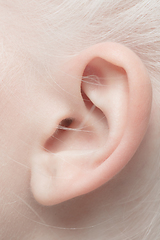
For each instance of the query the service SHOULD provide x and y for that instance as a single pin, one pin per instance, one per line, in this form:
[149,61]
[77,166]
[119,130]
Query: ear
[96,141]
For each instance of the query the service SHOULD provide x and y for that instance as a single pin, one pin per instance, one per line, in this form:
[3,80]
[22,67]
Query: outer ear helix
[122,98]
[139,106]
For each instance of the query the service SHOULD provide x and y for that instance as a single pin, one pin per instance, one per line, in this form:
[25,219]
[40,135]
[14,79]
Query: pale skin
[37,178]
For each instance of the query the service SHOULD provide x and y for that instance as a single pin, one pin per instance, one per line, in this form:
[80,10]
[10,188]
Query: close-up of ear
[95,143]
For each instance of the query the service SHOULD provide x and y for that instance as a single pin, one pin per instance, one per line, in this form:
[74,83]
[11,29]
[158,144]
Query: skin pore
[36,90]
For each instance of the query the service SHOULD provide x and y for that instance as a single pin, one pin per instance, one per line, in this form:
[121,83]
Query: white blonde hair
[42,30]
[65,27]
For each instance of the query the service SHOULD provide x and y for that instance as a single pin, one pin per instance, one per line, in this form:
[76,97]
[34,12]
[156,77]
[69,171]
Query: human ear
[94,142]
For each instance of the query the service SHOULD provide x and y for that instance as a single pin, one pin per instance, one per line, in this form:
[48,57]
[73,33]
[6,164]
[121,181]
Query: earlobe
[114,99]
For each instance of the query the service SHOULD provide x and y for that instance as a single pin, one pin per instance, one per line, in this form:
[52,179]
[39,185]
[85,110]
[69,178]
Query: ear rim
[142,116]
[123,57]
[119,59]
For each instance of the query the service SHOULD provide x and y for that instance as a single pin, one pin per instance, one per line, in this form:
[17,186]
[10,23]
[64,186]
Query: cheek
[25,104]
[15,154]
[13,123]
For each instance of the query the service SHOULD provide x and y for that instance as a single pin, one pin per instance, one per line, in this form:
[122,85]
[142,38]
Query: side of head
[79,112]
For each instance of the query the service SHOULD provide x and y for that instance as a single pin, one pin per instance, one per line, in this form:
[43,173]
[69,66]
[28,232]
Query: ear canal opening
[58,137]
[65,123]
